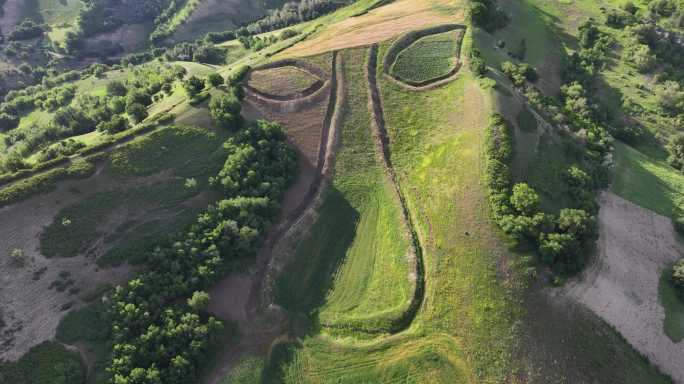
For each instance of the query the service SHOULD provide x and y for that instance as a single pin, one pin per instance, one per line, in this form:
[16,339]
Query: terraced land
[282,81]
[359,247]
[429,58]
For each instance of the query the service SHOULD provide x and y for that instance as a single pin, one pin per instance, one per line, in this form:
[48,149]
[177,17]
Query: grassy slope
[437,141]
[647,181]
[463,333]
[428,58]
[151,211]
[674,307]
[356,248]
[640,176]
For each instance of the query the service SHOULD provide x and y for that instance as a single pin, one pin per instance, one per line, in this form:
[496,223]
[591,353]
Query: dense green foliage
[225,110]
[564,241]
[46,363]
[122,105]
[487,14]
[151,330]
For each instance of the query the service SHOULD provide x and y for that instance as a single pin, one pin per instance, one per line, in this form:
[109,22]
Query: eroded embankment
[378,125]
[261,321]
[315,93]
[283,240]
[406,40]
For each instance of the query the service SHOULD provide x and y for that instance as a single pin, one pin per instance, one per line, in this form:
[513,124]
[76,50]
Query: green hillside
[333,191]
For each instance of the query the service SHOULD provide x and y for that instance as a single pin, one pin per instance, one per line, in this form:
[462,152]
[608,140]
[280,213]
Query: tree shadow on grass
[306,281]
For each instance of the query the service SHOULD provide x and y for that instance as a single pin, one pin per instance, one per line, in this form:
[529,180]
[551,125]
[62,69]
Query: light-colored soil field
[282,81]
[380,24]
[621,286]
[29,306]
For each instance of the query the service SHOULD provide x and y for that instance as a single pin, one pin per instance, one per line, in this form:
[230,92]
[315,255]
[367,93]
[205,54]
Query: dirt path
[382,142]
[262,322]
[621,286]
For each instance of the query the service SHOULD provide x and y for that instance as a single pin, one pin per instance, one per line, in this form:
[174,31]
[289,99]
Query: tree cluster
[28,29]
[519,74]
[159,338]
[225,110]
[294,12]
[125,103]
[487,15]
[562,241]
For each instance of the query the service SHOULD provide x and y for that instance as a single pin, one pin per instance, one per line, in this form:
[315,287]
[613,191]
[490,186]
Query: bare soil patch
[31,309]
[621,285]
[377,25]
[284,82]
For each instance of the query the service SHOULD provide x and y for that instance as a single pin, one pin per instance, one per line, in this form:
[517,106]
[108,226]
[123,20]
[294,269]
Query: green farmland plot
[428,58]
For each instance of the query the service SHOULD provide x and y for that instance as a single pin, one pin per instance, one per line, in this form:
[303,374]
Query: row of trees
[294,12]
[159,338]
[563,241]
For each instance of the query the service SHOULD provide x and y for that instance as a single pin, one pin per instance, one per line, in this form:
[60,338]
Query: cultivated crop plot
[428,58]
[341,191]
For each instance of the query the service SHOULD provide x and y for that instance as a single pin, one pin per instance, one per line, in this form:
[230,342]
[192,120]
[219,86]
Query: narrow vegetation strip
[382,140]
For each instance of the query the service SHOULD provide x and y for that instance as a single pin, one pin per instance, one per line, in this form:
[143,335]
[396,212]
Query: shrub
[518,74]
[137,112]
[675,148]
[486,14]
[199,301]
[119,123]
[678,219]
[225,111]
[477,63]
[524,199]
[214,80]
[46,363]
[116,88]
[670,96]
[8,122]
[193,85]
[678,276]
[17,257]
[557,248]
